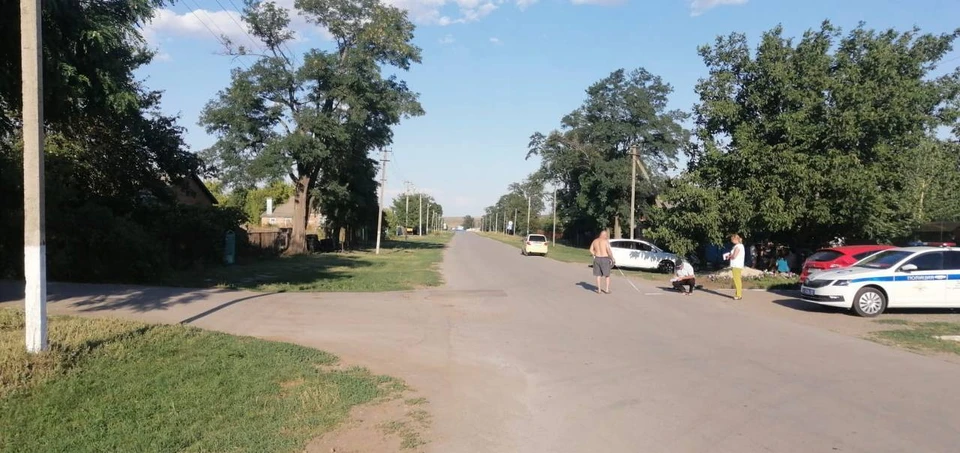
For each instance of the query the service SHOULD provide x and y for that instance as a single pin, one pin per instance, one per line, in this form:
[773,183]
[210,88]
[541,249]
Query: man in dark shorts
[602,259]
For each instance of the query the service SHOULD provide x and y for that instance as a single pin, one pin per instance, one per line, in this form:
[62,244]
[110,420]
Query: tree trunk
[301,206]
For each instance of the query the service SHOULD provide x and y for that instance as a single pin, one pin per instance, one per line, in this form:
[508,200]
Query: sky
[496,71]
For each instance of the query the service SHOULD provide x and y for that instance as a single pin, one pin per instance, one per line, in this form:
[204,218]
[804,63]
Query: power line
[239,25]
[293,56]
[219,38]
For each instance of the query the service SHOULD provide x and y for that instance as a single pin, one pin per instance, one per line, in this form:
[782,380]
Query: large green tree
[827,136]
[407,206]
[589,157]
[313,117]
[111,155]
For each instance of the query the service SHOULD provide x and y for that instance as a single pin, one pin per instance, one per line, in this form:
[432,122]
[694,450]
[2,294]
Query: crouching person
[684,277]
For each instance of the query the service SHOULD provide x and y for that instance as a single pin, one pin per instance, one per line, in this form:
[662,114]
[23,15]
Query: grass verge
[919,336]
[401,265]
[112,385]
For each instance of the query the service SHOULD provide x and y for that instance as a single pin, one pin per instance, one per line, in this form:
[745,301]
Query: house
[282,216]
[190,191]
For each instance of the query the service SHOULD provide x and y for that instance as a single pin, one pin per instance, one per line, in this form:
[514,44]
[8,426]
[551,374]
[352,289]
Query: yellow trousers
[737,282]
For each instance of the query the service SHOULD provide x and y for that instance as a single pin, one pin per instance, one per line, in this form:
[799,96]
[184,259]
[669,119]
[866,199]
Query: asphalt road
[516,354]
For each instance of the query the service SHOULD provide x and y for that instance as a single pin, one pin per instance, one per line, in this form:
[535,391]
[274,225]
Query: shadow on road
[588,287]
[810,307]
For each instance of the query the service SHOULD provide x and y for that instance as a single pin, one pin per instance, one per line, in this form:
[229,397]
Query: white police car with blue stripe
[908,277]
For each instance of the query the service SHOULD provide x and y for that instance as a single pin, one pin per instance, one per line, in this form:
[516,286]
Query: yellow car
[535,244]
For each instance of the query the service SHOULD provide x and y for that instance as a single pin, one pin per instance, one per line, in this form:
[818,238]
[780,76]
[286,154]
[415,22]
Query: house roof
[284,210]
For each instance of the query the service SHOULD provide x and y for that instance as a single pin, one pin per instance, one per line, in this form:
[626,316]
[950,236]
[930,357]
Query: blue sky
[496,71]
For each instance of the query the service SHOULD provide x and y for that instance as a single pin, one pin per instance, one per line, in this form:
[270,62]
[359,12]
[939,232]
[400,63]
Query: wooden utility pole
[34,218]
[383,186]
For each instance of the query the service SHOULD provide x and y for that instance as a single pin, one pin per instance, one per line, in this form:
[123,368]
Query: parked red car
[837,258]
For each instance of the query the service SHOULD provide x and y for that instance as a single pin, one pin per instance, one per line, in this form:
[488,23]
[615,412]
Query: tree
[111,156]
[469,222]
[407,209]
[311,119]
[827,137]
[589,156]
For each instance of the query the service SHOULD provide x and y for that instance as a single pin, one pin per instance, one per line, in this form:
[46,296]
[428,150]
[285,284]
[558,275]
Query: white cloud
[524,4]
[698,7]
[162,57]
[496,41]
[448,39]
[212,25]
[598,2]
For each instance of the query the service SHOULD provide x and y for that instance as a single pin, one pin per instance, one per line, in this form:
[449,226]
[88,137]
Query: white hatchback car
[908,277]
[637,254]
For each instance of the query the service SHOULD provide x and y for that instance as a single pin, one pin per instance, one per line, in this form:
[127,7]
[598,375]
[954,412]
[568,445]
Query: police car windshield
[883,260]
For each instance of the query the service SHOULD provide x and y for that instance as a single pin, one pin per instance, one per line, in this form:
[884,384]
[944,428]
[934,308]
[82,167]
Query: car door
[621,252]
[924,287]
[647,255]
[951,264]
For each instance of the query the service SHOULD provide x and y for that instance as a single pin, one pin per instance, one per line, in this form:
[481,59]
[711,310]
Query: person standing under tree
[736,257]
[602,259]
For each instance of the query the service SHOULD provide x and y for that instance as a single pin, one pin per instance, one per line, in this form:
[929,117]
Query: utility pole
[34,217]
[633,188]
[406,219]
[383,185]
[554,215]
[635,163]
[429,219]
[528,213]
[496,222]
[515,211]
[420,212]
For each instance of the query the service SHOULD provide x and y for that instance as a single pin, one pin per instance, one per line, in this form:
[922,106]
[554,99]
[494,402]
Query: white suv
[909,277]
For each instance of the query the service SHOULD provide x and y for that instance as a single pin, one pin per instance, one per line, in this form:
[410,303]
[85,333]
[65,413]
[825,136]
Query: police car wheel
[869,302]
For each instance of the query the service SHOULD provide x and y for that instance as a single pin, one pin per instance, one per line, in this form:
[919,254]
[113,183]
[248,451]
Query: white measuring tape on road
[628,280]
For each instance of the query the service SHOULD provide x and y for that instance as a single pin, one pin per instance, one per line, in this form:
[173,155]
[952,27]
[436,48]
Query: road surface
[516,354]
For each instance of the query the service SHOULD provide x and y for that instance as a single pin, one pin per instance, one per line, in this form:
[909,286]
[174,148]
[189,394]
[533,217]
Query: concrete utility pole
[420,212]
[528,213]
[515,211]
[429,219]
[554,215]
[635,163]
[34,217]
[383,185]
[406,218]
[633,188]
[496,222]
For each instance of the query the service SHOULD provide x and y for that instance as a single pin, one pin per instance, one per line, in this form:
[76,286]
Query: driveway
[517,355]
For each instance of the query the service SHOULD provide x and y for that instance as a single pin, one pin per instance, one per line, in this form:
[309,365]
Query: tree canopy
[827,136]
[589,156]
[315,118]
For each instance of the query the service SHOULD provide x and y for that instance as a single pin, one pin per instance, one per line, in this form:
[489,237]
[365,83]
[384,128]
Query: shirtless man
[602,259]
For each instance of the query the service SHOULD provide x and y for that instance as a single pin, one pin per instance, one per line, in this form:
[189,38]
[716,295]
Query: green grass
[401,265]
[919,336]
[111,385]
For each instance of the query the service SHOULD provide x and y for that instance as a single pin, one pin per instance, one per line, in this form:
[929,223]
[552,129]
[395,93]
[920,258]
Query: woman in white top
[736,257]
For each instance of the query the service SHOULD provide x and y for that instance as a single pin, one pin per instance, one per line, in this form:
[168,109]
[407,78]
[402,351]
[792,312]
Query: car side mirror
[908,268]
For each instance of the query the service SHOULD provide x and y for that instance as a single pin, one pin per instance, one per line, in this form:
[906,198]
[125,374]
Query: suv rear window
[863,255]
[825,255]
[537,238]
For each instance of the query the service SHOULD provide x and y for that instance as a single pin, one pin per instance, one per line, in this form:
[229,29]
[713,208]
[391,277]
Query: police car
[908,277]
